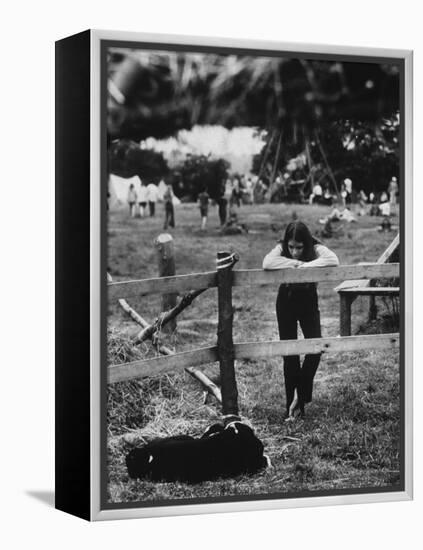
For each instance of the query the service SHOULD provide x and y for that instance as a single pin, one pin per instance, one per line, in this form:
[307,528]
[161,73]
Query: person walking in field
[393,191]
[132,199]
[236,193]
[316,195]
[298,303]
[203,201]
[142,199]
[348,190]
[168,204]
[222,207]
[362,201]
[152,197]
[249,190]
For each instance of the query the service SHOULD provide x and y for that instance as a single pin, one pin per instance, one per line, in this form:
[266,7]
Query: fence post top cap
[164,238]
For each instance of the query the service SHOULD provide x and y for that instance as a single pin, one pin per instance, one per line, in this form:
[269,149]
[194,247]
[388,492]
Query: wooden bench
[350,290]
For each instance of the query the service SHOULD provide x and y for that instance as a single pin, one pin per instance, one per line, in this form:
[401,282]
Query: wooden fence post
[166,264]
[372,303]
[345,314]
[225,345]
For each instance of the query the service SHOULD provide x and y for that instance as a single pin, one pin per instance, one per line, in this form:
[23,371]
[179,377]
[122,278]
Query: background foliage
[167,91]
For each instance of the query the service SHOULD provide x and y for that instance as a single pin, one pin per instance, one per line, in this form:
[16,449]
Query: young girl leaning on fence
[298,303]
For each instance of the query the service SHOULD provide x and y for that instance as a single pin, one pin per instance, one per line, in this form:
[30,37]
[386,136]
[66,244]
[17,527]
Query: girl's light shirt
[324,258]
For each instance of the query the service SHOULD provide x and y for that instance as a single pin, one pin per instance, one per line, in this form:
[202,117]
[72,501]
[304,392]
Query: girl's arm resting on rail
[325,258]
[274,260]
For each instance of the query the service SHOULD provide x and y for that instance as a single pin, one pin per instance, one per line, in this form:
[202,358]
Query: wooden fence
[250,277]
[349,291]
[248,350]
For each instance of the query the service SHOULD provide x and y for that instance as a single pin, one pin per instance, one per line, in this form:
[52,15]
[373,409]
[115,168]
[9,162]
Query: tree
[127,159]
[366,152]
[199,171]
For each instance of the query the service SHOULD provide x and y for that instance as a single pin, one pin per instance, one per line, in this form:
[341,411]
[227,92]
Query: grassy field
[349,437]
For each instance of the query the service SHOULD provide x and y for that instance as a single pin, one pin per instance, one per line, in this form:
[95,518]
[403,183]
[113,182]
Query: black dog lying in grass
[220,452]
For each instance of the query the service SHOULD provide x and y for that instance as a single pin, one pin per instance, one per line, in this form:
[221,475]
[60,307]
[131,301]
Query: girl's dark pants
[298,303]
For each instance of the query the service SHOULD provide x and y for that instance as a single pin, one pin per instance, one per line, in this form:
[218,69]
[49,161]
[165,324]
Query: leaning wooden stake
[201,377]
[225,345]
[132,313]
[210,386]
[167,316]
[385,257]
[166,264]
[128,309]
[138,319]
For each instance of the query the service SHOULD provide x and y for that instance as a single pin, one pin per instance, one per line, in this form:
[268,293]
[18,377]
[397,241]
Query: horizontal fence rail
[250,350]
[251,277]
[161,365]
[254,350]
[371,291]
[165,285]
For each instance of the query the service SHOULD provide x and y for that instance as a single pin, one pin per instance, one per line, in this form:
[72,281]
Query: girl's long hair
[298,231]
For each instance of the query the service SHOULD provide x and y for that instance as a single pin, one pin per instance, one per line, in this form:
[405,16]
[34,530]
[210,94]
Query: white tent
[162,189]
[118,190]
[112,198]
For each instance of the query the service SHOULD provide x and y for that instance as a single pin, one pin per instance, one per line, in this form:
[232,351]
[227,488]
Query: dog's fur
[220,452]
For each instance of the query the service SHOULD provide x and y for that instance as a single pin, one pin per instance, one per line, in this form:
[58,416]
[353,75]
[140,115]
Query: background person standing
[142,198]
[203,201]
[152,198]
[132,199]
[393,190]
[348,190]
[168,204]
[316,195]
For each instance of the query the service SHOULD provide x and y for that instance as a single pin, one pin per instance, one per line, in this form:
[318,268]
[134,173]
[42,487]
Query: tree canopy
[199,172]
[157,93]
[342,115]
[127,159]
[368,153]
